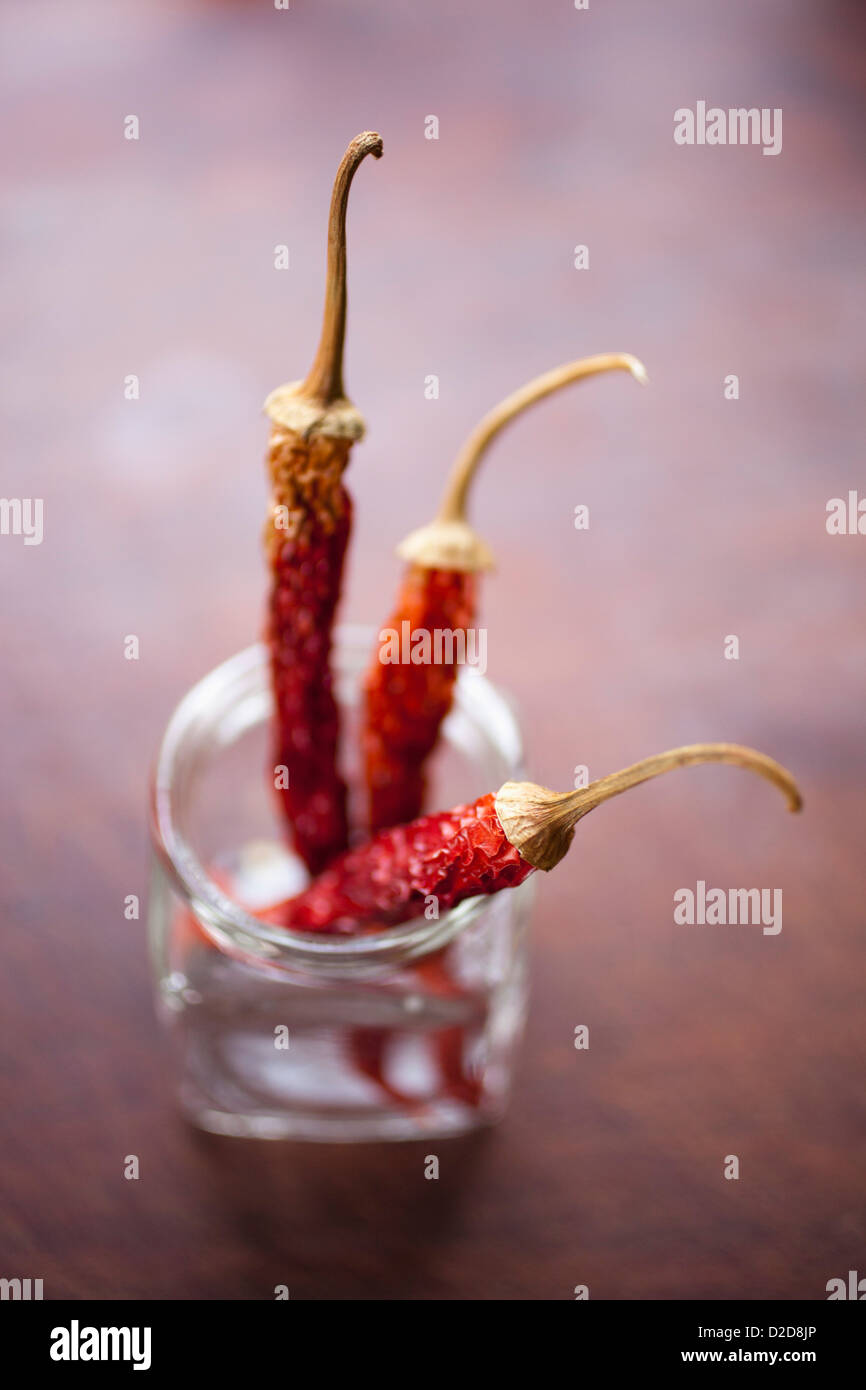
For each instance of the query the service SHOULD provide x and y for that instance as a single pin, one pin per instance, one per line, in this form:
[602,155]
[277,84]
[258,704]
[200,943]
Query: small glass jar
[406,1033]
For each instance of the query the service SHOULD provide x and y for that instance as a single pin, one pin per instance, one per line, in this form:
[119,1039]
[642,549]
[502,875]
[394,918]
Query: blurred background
[155,258]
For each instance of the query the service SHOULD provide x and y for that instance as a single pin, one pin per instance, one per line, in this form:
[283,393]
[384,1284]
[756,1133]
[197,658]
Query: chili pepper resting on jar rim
[495,842]
[405,704]
[313,428]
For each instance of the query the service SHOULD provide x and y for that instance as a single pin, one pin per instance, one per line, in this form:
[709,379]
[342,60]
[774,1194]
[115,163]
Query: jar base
[443,1120]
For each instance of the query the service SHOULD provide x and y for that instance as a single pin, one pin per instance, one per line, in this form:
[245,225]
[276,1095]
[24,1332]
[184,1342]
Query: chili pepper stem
[540,823]
[324,381]
[318,404]
[449,542]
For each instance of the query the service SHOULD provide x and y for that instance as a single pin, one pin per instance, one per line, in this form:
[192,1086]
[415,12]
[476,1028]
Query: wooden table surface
[154,258]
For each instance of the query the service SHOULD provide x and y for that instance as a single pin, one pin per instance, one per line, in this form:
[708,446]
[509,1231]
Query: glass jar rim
[232,927]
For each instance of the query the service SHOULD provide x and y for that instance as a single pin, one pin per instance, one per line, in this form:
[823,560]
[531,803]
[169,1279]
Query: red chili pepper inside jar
[397,1033]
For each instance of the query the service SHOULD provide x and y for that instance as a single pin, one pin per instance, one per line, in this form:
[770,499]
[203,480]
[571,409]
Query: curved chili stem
[540,823]
[453,505]
[324,381]
[585,799]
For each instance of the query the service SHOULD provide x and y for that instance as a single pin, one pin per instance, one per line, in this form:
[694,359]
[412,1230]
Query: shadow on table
[333,1215]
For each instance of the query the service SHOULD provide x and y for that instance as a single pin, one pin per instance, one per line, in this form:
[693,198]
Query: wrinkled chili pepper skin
[306,539]
[451,855]
[404,705]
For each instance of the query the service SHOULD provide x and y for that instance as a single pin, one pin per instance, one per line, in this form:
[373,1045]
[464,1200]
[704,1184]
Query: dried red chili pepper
[405,704]
[495,842]
[367,1049]
[313,428]
[449,1044]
